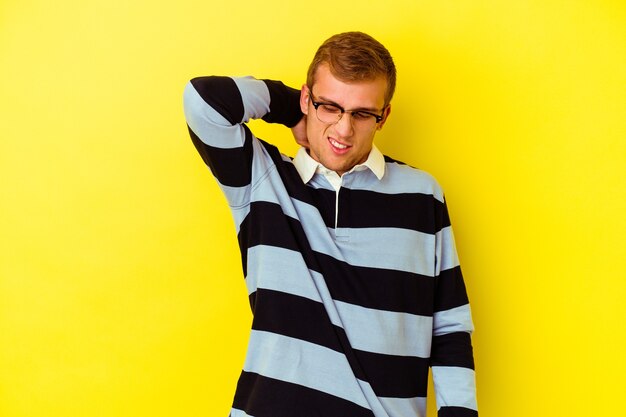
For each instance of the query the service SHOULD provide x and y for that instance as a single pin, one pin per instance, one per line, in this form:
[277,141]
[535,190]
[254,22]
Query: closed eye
[330,108]
[362,115]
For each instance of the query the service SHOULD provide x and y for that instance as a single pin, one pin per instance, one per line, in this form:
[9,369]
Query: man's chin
[339,168]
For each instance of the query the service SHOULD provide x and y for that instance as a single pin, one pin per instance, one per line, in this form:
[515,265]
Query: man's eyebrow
[367,109]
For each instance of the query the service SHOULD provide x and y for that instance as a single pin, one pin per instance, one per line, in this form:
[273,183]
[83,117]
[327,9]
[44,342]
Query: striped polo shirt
[355,287]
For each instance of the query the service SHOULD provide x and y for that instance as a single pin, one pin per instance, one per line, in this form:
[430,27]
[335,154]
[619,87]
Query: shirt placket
[341,185]
[342,229]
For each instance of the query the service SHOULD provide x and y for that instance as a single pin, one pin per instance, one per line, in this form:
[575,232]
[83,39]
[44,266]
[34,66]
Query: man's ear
[304,99]
[385,115]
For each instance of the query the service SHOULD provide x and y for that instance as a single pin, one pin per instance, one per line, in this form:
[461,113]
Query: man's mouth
[337,145]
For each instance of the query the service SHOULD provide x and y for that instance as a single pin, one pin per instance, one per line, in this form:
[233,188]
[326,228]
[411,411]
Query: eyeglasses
[331,113]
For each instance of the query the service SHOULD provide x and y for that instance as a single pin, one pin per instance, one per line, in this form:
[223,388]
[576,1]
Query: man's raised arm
[217,108]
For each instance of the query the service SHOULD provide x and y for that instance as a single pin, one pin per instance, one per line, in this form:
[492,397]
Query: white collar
[307,166]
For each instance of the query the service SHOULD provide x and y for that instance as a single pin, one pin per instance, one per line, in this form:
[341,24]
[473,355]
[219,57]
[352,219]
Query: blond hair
[355,56]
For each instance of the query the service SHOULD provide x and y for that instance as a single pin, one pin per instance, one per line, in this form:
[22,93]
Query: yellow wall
[120,285]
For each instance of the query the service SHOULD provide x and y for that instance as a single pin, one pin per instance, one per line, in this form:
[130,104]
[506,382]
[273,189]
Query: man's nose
[344,125]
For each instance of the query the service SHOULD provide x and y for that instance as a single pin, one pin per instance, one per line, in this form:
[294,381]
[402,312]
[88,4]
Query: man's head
[347,98]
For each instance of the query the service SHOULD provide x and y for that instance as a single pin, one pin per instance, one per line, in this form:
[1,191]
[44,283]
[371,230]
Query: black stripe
[453,349]
[305,319]
[222,94]
[456,412]
[395,376]
[294,316]
[450,289]
[284,104]
[232,167]
[261,396]
[413,211]
[376,288]
[441,217]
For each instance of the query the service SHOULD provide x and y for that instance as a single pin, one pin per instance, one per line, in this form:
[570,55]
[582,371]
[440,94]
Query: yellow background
[120,285]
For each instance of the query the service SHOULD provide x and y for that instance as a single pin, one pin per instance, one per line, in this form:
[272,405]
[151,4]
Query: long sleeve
[452,359]
[216,110]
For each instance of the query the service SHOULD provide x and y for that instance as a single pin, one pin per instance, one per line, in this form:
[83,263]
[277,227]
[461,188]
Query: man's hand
[299,133]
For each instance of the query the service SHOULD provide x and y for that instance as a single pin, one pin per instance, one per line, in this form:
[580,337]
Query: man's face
[342,145]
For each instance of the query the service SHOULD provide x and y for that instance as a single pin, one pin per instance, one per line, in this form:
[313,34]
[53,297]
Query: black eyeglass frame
[316,104]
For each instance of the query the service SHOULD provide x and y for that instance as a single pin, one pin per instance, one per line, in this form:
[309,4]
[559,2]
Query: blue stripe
[446,249]
[234,412]
[386,332]
[459,383]
[255,98]
[390,252]
[303,363]
[400,179]
[458,319]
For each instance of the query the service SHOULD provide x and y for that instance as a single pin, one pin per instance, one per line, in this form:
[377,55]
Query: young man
[348,255]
